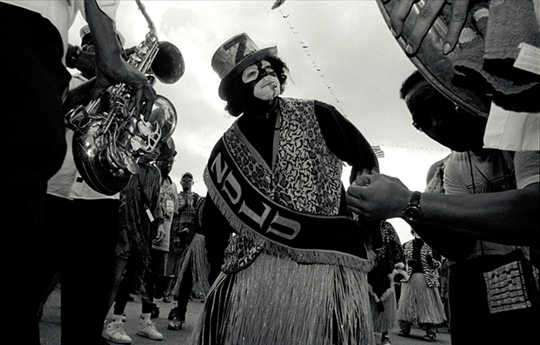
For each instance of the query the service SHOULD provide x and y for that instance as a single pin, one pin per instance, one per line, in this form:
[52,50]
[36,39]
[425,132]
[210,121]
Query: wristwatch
[412,212]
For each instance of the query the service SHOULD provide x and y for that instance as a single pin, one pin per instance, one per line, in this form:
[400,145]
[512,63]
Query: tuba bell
[109,138]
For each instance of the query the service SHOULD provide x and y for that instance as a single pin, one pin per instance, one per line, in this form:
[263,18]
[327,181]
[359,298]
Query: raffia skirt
[420,303]
[384,321]
[196,260]
[278,301]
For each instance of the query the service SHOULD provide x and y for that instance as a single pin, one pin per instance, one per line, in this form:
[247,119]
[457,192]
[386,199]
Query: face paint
[262,76]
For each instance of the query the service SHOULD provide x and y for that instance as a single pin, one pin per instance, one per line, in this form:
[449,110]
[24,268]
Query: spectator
[180,234]
[420,300]
[193,274]
[147,206]
[381,281]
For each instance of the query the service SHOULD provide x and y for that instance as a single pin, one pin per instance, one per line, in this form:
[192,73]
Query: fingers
[427,15]
[399,13]
[149,96]
[457,21]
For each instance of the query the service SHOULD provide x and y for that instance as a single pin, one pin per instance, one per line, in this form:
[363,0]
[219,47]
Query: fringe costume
[420,300]
[269,292]
[381,279]
[195,259]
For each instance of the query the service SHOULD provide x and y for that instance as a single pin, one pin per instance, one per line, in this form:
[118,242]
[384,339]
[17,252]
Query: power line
[305,48]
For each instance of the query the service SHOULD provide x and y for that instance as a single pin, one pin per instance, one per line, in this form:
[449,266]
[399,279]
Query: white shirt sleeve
[109,7]
[527,165]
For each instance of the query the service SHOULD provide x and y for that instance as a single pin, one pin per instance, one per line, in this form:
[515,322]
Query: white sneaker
[115,332]
[148,330]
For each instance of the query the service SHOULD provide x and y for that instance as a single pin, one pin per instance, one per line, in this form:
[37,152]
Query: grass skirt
[384,321]
[278,301]
[420,303]
[196,260]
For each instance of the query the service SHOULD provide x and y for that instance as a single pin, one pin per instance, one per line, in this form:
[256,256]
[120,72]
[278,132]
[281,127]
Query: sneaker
[148,330]
[430,337]
[431,334]
[175,324]
[115,332]
[173,313]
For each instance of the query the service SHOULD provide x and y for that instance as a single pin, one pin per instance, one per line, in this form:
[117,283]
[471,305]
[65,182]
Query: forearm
[108,49]
[490,216]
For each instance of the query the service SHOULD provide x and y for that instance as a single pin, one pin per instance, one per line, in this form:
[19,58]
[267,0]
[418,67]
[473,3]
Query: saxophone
[109,138]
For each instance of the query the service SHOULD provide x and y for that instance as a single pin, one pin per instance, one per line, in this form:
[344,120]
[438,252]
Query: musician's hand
[377,196]
[119,71]
[111,68]
[424,21]
[160,235]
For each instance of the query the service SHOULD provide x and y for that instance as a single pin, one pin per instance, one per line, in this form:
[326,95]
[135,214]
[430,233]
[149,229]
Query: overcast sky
[339,52]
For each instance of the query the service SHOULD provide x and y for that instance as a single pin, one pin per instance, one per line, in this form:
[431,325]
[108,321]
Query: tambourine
[436,67]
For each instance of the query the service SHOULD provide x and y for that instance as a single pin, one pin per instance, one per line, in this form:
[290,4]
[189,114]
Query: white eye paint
[250,74]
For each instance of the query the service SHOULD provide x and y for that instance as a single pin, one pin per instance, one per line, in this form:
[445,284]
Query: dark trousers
[80,244]
[33,144]
[470,320]
[125,277]
[184,292]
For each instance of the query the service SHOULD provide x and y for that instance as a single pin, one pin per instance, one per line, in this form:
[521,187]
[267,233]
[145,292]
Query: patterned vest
[306,176]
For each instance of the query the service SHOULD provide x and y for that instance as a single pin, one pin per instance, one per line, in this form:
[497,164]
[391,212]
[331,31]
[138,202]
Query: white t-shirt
[62,13]
[493,172]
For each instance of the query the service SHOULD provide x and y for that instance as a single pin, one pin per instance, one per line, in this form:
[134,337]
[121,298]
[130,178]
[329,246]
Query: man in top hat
[295,270]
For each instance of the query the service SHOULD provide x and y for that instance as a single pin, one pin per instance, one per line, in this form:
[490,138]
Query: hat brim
[243,64]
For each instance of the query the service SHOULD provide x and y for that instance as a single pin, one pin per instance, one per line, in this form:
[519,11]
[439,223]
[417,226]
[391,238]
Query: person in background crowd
[184,233]
[443,274]
[274,191]
[420,300]
[36,34]
[145,217]
[187,199]
[435,184]
[193,274]
[381,281]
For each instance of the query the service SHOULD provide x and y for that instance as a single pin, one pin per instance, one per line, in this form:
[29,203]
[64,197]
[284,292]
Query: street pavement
[50,325]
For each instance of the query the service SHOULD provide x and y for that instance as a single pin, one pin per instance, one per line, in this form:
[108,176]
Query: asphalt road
[50,326]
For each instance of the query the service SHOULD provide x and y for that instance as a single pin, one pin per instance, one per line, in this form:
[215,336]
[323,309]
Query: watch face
[413,213]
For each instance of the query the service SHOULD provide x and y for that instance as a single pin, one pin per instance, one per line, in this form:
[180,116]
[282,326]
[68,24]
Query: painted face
[263,79]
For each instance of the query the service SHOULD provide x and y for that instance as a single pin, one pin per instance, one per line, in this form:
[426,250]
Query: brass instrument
[108,137]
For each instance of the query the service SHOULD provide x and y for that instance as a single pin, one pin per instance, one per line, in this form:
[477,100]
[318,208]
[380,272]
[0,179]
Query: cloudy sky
[339,52]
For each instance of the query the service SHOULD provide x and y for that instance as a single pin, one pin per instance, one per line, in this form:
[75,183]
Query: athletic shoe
[115,332]
[175,324]
[148,330]
[173,313]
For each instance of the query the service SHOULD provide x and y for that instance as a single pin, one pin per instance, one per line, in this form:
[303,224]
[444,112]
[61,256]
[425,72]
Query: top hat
[234,56]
